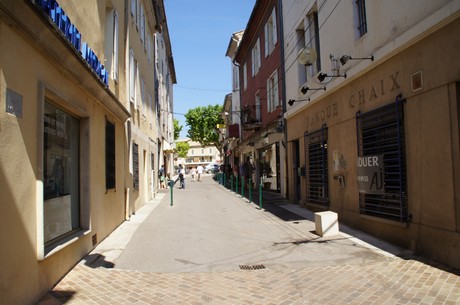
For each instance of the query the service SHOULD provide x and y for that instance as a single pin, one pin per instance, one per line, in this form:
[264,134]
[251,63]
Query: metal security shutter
[381,132]
[135,166]
[317,167]
[109,155]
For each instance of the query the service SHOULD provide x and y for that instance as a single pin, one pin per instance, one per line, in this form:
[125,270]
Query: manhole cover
[252,267]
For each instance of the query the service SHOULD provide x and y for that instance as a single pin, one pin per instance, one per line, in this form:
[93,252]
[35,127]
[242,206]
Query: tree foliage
[182,149]
[177,129]
[202,122]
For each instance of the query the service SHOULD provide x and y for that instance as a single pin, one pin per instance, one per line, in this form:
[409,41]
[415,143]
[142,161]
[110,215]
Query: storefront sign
[71,33]
[319,117]
[376,90]
[370,174]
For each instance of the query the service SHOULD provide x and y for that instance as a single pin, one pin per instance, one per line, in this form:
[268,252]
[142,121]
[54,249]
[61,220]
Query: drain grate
[252,267]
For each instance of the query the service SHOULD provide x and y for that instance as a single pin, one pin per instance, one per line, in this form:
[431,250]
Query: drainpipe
[283,88]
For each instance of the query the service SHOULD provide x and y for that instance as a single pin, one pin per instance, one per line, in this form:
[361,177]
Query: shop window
[381,136]
[61,160]
[135,166]
[317,167]
[109,155]
[269,166]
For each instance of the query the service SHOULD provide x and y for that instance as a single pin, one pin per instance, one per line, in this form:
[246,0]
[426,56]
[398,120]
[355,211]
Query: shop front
[381,149]
[269,167]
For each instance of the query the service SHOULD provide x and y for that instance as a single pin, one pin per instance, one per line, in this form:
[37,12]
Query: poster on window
[370,174]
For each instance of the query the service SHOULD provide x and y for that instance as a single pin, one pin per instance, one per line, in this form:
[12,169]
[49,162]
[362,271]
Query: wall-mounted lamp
[345,58]
[228,113]
[305,89]
[292,101]
[322,76]
[307,56]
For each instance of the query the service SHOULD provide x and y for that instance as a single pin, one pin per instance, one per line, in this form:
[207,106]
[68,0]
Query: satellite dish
[307,56]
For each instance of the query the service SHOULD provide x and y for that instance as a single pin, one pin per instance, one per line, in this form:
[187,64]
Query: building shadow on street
[97,260]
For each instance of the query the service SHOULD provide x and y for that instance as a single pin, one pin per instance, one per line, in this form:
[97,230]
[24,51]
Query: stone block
[326,223]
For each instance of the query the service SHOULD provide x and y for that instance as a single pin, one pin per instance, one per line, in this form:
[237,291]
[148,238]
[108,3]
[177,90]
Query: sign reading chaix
[370,174]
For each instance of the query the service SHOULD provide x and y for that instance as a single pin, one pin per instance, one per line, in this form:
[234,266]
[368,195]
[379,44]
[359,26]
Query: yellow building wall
[432,142]
[27,71]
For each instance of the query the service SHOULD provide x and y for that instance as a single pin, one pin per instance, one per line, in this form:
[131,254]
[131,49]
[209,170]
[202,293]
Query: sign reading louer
[370,174]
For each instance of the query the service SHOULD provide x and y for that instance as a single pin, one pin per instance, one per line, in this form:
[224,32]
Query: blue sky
[200,31]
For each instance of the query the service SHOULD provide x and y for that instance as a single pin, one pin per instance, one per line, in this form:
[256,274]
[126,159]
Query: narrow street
[214,247]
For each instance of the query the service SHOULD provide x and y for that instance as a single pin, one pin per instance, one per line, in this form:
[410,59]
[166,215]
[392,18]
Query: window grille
[317,167]
[109,155]
[381,132]
[362,19]
[135,166]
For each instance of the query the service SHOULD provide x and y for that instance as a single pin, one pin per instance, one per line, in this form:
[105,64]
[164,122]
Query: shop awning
[167,147]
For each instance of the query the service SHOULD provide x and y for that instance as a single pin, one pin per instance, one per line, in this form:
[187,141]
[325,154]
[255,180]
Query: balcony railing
[251,117]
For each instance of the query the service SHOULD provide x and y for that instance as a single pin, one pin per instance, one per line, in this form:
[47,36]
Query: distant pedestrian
[181,177]
[235,170]
[167,179]
[200,171]
[193,173]
[161,177]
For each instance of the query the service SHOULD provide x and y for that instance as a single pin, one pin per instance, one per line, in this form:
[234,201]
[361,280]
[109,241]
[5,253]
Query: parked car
[211,168]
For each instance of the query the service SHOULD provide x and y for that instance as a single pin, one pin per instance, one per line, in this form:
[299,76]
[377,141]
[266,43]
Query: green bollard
[224,180]
[171,186]
[236,191]
[250,190]
[242,186]
[231,182]
[260,195]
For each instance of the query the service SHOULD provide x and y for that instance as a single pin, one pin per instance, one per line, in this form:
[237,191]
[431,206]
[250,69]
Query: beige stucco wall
[34,75]
[431,133]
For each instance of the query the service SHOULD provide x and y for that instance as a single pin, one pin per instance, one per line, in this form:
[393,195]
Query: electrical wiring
[311,39]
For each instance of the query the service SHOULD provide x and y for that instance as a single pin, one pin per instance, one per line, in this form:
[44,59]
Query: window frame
[257,105]
[255,54]
[245,76]
[132,76]
[312,40]
[110,155]
[271,35]
[47,94]
[317,173]
[361,25]
[115,47]
[273,100]
[135,166]
[388,141]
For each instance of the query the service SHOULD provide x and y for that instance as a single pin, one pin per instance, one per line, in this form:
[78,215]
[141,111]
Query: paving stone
[382,280]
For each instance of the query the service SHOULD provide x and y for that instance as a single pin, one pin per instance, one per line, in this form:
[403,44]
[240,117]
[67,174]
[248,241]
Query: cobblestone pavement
[330,279]
[397,281]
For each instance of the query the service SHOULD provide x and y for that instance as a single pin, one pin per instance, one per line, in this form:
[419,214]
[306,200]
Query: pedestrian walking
[161,176]
[200,171]
[181,177]
[193,173]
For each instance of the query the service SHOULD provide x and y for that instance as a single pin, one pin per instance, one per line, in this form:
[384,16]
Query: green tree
[182,149]
[202,122]
[177,129]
